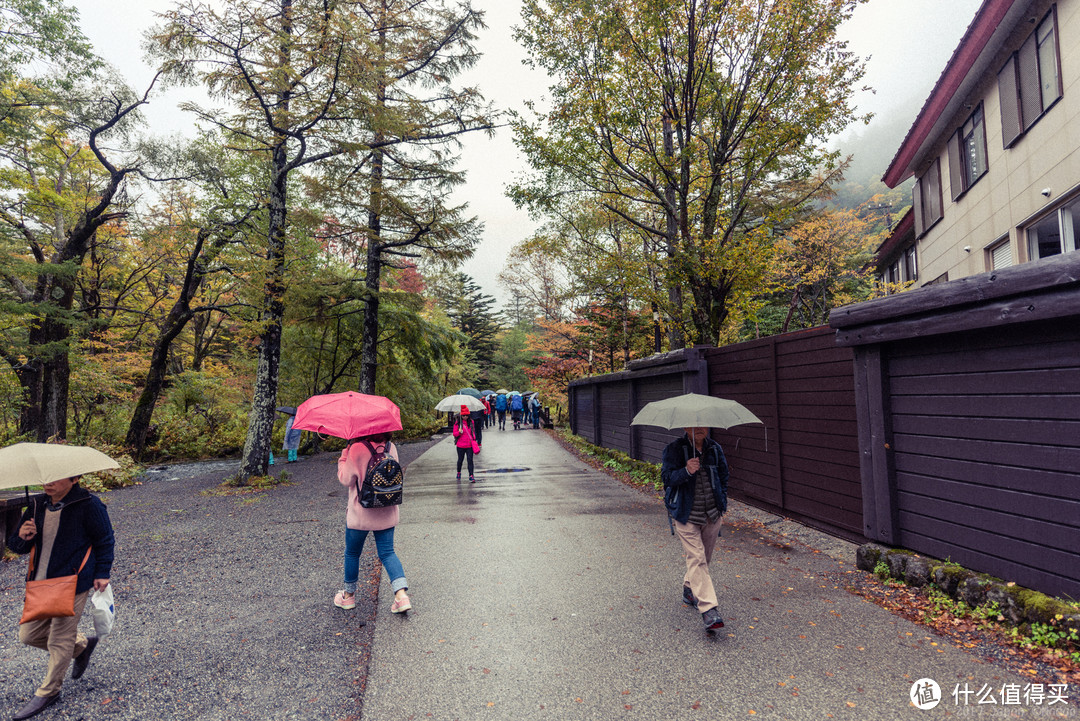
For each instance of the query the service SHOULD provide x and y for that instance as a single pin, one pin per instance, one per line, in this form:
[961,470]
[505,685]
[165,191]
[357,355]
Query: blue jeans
[384,545]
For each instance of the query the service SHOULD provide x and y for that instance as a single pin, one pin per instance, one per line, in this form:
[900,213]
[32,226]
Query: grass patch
[256,484]
[631,471]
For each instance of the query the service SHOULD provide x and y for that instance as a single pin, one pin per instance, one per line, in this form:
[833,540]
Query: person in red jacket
[465,435]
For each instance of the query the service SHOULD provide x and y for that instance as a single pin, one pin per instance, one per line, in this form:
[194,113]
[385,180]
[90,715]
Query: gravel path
[223,604]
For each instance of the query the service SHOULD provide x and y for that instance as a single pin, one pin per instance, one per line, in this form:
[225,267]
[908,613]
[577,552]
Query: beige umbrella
[693,410]
[31,464]
[453,404]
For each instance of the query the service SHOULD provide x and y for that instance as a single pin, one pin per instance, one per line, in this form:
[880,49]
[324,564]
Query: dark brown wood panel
[1033,555]
[848,517]
[1002,523]
[1053,510]
[836,475]
[1016,352]
[814,397]
[837,427]
[1033,381]
[583,412]
[1020,455]
[1014,430]
[1063,407]
[837,442]
[831,369]
[978,474]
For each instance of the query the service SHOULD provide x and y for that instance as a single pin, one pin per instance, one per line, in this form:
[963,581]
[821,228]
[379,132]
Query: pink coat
[463,432]
[351,468]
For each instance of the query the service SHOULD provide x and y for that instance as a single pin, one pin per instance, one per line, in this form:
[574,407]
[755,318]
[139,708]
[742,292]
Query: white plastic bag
[104,612]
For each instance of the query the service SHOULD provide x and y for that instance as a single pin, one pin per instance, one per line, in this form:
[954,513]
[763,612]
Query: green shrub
[641,473]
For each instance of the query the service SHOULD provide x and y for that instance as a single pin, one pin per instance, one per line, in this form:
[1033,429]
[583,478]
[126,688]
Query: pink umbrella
[348,415]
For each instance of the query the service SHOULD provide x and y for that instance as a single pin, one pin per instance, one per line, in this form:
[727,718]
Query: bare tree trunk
[369,353]
[45,379]
[369,358]
[179,316]
[139,426]
[256,458]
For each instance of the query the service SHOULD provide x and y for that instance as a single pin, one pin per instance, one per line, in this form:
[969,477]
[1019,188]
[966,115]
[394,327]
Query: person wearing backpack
[359,521]
[478,430]
[695,476]
[515,410]
[500,408]
[534,406]
[465,441]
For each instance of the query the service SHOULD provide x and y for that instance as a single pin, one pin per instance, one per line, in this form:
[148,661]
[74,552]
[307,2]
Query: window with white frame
[1030,81]
[967,153]
[1055,233]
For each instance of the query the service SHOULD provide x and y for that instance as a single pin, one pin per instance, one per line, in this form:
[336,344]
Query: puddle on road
[501,470]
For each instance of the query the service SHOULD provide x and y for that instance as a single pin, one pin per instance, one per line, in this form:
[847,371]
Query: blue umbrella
[469,392]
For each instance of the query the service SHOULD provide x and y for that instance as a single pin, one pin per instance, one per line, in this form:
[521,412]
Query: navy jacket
[84,521]
[679,485]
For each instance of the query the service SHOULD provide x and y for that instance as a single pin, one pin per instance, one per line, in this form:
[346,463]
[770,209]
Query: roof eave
[978,40]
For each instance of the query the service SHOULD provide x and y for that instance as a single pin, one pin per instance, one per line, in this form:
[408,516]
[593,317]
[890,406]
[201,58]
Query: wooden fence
[601,407]
[805,462]
[802,463]
[969,406]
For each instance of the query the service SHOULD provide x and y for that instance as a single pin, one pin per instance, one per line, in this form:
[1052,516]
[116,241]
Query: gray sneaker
[712,620]
[688,596]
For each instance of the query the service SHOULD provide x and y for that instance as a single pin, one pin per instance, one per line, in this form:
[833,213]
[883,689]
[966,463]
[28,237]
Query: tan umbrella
[32,464]
[693,410]
[453,404]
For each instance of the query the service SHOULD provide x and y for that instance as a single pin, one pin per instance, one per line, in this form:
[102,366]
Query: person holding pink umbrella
[359,521]
[368,422]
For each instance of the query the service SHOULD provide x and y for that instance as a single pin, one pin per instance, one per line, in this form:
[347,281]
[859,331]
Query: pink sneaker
[400,605]
[347,602]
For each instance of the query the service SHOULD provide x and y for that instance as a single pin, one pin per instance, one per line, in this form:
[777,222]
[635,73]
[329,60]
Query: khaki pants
[61,638]
[698,543]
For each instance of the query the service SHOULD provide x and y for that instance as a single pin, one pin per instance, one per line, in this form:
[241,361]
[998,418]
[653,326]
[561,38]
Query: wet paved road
[549,591]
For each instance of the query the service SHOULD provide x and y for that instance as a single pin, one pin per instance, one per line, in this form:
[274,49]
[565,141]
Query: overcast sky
[908,43]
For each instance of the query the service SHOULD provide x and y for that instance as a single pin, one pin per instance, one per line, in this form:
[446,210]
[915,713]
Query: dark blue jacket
[84,521]
[679,485]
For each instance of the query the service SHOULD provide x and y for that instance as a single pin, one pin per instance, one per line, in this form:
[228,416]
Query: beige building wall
[1009,196]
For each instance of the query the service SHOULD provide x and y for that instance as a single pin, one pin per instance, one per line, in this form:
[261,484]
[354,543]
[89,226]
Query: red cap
[464,410]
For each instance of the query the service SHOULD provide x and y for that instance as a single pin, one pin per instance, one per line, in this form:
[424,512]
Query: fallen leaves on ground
[969,634]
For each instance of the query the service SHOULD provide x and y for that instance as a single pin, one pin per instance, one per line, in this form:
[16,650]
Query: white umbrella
[693,410]
[31,464]
[34,464]
[453,404]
